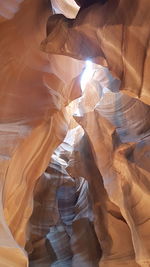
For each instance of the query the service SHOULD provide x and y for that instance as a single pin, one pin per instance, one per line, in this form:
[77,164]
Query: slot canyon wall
[74,133]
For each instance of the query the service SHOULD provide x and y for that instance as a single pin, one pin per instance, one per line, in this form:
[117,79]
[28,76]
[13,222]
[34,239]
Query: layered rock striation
[43,60]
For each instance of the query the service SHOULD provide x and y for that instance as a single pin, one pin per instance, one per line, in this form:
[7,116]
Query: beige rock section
[112,231]
[115,34]
[35,88]
[33,119]
[118,129]
[117,125]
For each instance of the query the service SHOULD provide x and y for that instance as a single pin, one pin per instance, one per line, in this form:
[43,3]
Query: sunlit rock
[88,204]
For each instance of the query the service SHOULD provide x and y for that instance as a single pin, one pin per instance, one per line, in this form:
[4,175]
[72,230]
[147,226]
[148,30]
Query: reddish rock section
[42,59]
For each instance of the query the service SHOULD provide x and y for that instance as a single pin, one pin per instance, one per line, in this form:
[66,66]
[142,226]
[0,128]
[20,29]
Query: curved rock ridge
[61,219]
[91,202]
[115,34]
[33,116]
[118,129]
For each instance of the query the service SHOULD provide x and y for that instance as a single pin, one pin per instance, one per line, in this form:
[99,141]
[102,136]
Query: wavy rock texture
[33,119]
[108,33]
[118,129]
[61,219]
[118,126]
[113,156]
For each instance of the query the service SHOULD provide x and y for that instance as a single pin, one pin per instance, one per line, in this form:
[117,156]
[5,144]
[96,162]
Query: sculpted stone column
[33,119]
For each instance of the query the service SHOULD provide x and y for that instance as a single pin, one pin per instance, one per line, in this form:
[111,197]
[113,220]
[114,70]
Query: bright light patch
[106,90]
[87,75]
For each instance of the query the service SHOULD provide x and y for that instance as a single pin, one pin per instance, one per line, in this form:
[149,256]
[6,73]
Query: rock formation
[83,200]
[108,33]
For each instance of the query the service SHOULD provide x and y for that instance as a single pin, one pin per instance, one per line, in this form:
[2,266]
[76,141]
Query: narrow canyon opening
[74,133]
